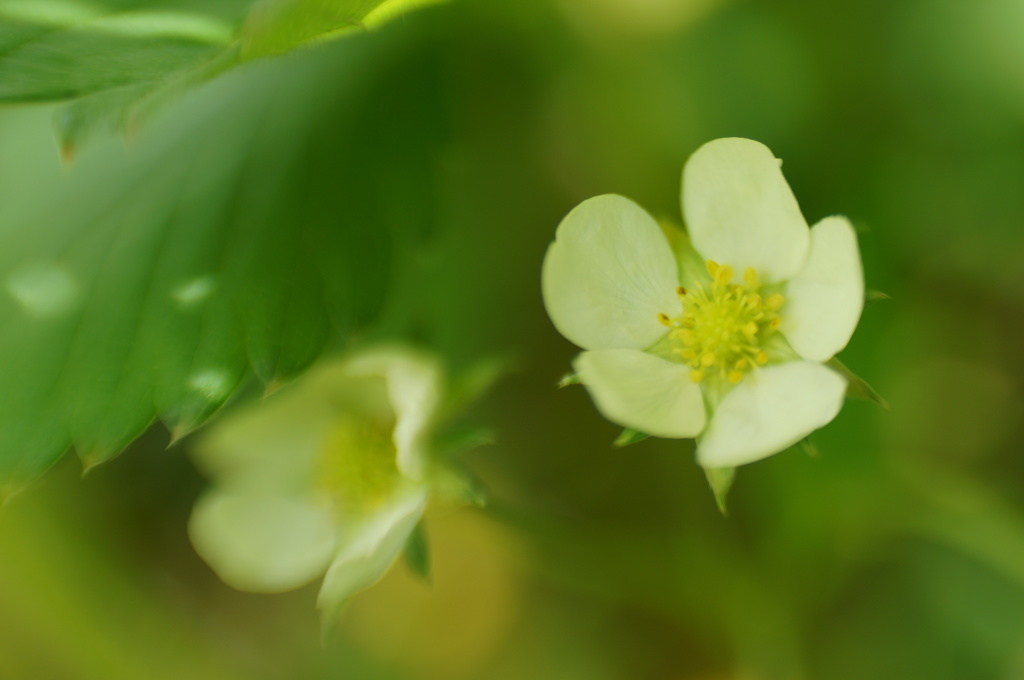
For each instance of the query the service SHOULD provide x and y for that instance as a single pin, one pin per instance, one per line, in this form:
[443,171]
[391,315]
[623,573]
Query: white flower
[328,476]
[731,352]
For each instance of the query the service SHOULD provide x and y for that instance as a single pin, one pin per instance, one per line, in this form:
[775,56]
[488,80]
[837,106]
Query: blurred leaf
[873,296]
[126,109]
[247,233]
[857,387]
[417,552]
[119,66]
[60,49]
[720,480]
[630,436]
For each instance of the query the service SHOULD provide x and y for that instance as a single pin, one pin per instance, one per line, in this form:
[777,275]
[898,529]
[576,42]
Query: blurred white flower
[723,337]
[328,476]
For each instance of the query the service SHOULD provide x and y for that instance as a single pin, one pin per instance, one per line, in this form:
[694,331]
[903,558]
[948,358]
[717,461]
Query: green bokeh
[897,553]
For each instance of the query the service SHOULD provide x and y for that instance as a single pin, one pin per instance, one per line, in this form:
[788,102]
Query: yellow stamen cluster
[723,326]
[356,468]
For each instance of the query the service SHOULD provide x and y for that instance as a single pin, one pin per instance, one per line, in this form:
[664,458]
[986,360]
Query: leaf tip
[179,432]
[67,154]
[272,386]
[91,461]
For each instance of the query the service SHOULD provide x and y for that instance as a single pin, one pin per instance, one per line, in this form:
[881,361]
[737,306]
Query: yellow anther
[723,274]
[720,333]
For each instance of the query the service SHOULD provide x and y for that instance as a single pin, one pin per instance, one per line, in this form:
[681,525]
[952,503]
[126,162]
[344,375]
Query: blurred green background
[897,552]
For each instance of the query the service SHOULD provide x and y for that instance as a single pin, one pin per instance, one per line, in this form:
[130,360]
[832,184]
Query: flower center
[723,326]
[356,467]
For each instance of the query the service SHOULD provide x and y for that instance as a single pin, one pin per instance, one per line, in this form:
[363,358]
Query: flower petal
[260,543]
[270,444]
[413,385]
[369,547]
[772,409]
[608,275]
[824,301]
[740,211]
[642,391]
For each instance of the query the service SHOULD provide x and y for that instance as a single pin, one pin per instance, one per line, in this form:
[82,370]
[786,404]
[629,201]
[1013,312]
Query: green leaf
[244,235]
[630,436]
[59,49]
[125,110]
[118,67]
[720,480]
[417,552]
[277,26]
[857,387]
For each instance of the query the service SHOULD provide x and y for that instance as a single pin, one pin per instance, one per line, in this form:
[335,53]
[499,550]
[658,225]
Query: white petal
[261,543]
[608,275]
[740,211]
[642,391]
[413,385]
[772,409]
[369,547]
[271,444]
[824,301]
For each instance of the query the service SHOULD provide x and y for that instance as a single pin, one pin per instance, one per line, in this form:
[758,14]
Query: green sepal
[569,379]
[720,480]
[857,387]
[810,448]
[417,552]
[873,296]
[461,438]
[629,436]
[469,386]
[456,482]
